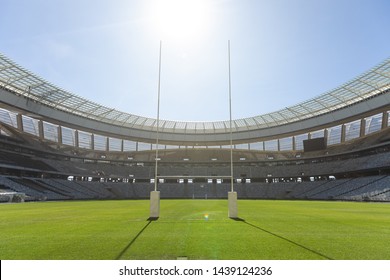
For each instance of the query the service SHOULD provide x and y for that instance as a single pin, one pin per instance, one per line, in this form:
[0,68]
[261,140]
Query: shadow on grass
[283,238]
[150,220]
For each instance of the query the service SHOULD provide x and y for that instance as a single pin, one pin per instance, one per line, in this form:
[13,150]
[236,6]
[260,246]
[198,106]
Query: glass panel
[30,125]
[242,146]
[317,134]
[172,147]
[50,131]
[286,144]
[271,145]
[129,146]
[160,147]
[373,123]
[144,146]
[115,144]
[352,130]
[68,136]
[257,146]
[388,118]
[100,142]
[85,140]
[334,135]
[8,117]
[213,147]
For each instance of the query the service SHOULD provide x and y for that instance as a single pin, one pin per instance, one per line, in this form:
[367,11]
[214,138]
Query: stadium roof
[24,83]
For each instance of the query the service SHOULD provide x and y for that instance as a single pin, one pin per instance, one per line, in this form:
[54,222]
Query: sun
[180,19]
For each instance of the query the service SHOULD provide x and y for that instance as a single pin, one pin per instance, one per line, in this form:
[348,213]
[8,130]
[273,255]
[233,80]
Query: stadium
[315,157]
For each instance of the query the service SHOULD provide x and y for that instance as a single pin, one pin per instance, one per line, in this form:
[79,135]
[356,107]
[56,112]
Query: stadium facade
[57,145]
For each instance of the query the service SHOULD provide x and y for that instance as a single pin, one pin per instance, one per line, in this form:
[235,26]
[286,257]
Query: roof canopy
[25,83]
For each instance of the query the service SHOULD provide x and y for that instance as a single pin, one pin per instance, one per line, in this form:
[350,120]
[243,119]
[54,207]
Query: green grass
[266,230]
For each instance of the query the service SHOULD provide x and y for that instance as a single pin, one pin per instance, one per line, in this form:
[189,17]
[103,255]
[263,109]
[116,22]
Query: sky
[282,52]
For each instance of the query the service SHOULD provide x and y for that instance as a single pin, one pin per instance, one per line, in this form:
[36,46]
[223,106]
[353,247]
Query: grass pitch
[195,229]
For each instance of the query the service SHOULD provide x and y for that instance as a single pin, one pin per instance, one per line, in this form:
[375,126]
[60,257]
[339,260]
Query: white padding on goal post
[232,204]
[154,204]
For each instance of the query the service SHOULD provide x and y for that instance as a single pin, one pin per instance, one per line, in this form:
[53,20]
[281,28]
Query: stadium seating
[372,188]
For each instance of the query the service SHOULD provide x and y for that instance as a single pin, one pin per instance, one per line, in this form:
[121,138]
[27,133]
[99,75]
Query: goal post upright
[232,195]
[155,194]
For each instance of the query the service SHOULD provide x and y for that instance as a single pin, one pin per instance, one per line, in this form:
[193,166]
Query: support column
[40,130]
[385,119]
[76,138]
[19,122]
[294,144]
[343,133]
[92,141]
[362,127]
[59,135]
[326,136]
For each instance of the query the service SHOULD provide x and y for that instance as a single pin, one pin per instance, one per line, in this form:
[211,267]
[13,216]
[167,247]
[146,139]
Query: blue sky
[282,52]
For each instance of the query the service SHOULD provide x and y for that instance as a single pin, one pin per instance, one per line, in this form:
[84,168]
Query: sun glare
[180,19]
